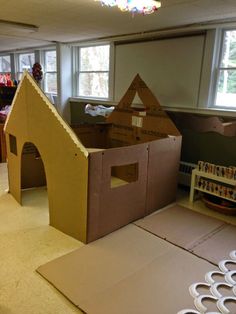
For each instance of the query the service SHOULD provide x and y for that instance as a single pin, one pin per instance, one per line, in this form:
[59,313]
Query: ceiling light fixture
[134,6]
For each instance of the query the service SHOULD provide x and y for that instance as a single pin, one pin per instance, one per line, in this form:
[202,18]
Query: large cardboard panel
[95,187]
[16,125]
[92,135]
[163,165]
[145,125]
[66,167]
[118,205]
[100,265]
[129,271]
[34,119]
[181,226]
[159,287]
[219,245]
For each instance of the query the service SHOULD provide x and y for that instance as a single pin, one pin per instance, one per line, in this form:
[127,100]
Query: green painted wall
[212,147]
[78,115]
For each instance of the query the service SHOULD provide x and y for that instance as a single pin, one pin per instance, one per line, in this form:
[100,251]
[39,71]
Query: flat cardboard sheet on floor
[180,226]
[207,237]
[219,245]
[129,271]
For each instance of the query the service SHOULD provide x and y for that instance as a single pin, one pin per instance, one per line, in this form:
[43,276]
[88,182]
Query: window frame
[17,61]
[6,55]
[218,68]
[51,72]
[77,71]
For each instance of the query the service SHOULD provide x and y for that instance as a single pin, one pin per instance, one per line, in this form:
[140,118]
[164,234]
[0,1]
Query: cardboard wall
[33,119]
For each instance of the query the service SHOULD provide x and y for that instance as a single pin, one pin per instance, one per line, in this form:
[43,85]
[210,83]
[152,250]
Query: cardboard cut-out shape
[135,125]
[103,178]
[33,119]
[129,271]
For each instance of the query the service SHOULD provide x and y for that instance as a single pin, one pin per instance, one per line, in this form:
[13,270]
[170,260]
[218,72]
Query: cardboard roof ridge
[152,105]
[145,94]
[51,107]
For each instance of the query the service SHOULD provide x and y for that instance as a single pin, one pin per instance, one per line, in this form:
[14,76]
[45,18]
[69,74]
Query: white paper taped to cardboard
[143,113]
[137,121]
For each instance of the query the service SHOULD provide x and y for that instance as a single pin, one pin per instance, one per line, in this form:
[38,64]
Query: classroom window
[5,64]
[25,62]
[50,71]
[93,72]
[226,78]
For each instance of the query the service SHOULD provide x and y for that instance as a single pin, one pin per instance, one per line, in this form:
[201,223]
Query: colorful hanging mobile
[134,6]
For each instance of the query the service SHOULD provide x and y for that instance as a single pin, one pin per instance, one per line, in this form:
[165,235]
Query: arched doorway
[34,185]
[32,167]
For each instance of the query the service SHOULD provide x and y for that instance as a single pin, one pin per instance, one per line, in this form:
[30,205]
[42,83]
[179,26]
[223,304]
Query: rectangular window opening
[13,144]
[124,174]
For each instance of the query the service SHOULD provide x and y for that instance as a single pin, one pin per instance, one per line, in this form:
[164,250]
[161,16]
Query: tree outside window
[25,62]
[5,64]
[226,86]
[93,77]
[50,72]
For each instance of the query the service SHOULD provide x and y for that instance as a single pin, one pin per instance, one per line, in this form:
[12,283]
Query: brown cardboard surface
[116,206]
[180,226]
[33,119]
[129,271]
[159,287]
[100,265]
[218,246]
[131,125]
[163,167]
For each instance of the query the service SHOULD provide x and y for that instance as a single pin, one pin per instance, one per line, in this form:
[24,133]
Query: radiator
[185,171]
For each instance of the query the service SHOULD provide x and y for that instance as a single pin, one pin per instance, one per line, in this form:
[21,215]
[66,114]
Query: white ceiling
[79,20]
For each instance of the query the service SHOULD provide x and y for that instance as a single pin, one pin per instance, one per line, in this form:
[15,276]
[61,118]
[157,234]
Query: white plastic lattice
[227,280]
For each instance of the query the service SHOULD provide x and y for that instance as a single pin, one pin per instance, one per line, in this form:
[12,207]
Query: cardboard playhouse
[99,177]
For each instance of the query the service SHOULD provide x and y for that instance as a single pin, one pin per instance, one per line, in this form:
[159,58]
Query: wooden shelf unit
[212,178]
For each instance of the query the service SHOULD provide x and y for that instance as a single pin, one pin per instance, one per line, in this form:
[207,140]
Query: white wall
[170,67]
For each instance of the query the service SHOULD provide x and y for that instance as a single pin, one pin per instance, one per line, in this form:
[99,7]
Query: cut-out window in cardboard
[13,144]
[124,174]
